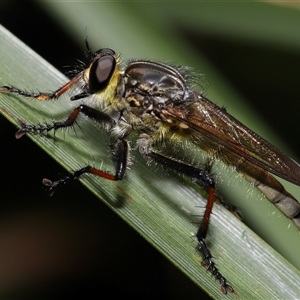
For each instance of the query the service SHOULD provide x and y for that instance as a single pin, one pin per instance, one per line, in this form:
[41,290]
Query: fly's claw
[50,186]
[210,266]
[5,89]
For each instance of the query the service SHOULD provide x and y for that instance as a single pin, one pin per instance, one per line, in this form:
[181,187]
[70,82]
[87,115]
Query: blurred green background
[249,52]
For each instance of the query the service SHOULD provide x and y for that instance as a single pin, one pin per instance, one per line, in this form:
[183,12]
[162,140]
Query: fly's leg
[121,158]
[97,115]
[204,179]
[41,96]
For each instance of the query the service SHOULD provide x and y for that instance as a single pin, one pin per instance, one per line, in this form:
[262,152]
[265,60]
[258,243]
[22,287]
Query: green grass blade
[158,207]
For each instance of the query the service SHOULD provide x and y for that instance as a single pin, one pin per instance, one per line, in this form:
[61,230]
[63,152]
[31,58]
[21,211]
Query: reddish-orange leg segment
[121,156]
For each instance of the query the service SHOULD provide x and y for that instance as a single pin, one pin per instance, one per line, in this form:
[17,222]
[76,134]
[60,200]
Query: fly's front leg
[121,159]
[204,179]
[41,96]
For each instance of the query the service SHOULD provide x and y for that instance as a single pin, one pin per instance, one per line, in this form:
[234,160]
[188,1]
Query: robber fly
[153,106]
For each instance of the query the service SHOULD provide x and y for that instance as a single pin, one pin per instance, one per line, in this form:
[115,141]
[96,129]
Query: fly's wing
[217,125]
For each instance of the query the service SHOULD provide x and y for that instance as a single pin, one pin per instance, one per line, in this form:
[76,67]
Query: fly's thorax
[154,123]
[155,77]
[150,85]
[149,88]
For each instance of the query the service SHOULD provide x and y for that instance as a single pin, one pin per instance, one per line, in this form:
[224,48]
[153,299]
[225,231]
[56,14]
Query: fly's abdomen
[273,190]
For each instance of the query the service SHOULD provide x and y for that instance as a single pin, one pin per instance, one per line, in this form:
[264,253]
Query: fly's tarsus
[29,128]
[209,264]
[38,95]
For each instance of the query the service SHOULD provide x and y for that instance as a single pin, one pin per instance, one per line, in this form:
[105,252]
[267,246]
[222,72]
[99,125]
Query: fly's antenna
[89,52]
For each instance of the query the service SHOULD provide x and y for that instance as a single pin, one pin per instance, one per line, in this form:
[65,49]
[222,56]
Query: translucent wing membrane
[217,125]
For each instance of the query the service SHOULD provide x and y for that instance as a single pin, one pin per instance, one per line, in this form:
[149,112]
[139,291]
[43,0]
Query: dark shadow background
[49,251]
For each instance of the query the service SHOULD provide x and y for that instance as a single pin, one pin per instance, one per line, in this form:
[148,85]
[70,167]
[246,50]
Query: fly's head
[103,77]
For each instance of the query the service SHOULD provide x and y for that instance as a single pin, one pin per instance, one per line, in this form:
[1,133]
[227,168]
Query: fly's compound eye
[101,72]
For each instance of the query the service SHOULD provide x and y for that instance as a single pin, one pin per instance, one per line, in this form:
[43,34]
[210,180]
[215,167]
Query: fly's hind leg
[204,179]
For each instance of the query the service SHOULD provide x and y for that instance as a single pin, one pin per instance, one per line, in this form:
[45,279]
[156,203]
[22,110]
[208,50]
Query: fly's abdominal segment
[154,106]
